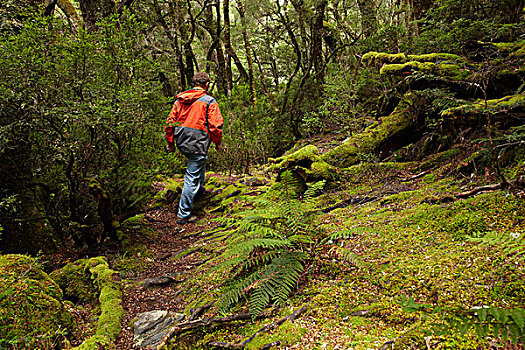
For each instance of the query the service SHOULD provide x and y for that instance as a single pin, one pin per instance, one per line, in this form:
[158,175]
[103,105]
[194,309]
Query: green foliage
[450,24]
[79,106]
[247,134]
[270,248]
[505,324]
[512,244]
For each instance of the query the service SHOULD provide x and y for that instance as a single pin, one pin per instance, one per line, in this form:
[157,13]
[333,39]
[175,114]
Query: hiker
[194,122]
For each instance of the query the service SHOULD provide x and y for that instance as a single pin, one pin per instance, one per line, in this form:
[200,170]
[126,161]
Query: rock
[32,312]
[159,281]
[151,326]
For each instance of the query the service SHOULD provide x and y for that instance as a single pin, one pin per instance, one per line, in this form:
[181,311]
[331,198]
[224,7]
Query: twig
[206,322]
[200,310]
[263,329]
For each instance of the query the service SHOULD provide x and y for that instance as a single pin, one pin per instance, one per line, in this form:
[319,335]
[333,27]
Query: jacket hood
[190,96]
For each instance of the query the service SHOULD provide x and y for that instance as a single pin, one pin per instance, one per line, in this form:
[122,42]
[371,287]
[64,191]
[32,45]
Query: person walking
[195,121]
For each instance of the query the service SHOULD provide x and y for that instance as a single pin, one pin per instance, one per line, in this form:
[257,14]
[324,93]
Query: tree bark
[368,17]
[227,46]
[317,41]
[247,47]
[94,11]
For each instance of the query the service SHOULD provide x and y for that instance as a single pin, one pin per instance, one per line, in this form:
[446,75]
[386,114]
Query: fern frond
[248,246]
[276,282]
[511,244]
[346,254]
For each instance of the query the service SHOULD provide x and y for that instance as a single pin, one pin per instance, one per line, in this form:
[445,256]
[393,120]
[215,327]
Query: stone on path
[151,326]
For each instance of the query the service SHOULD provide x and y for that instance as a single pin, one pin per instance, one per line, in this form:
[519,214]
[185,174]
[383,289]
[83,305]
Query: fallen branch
[350,201]
[200,310]
[275,343]
[291,317]
[478,190]
[414,177]
[206,322]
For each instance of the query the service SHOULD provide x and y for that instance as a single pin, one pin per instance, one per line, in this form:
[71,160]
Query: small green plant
[505,324]
[272,247]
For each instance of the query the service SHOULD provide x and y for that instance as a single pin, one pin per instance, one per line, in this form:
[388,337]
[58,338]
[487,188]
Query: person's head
[201,79]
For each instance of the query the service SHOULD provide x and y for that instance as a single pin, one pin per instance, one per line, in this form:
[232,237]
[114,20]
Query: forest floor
[417,262]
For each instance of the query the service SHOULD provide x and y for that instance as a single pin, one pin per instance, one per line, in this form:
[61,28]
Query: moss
[481,106]
[372,137]
[379,58]
[32,312]
[436,57]
[83,280]
[438,159]
[447,70]
[76,281]
[307,159]
[288,333]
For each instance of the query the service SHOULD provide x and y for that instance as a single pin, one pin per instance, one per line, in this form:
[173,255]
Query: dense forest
[369,193]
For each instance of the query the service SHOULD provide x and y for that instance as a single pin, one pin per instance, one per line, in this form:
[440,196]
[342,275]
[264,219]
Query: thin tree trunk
[240,8]
[368,17]
[227,46]
[94,11]
[317,41]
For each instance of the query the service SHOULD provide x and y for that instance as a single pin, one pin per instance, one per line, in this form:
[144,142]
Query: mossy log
[307,161]
[387,134]
[381,58]
[83,280]
[501,113]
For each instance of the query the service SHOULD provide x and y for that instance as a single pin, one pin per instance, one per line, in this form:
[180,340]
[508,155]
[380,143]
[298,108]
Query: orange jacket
[194,121]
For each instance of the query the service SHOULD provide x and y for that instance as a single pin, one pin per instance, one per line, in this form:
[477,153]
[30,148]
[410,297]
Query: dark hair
[200,79]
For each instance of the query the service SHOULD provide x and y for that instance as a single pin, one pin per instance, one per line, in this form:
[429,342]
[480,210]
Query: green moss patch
[86,279]
[367,142]
[32,312]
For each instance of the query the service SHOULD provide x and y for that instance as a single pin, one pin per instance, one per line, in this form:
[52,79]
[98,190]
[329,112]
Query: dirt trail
[166,239]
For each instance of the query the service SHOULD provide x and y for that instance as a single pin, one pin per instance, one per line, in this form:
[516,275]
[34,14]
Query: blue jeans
[193,181]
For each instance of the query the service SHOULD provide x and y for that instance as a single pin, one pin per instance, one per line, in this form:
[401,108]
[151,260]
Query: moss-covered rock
[76,281]
[32,312]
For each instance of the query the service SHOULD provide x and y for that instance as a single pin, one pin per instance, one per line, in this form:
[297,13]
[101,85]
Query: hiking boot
[188,220]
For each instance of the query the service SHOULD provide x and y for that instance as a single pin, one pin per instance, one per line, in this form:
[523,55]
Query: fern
[511,244]
[270,247]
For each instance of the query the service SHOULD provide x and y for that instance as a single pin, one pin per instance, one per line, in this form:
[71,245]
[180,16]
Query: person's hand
[170,148]
[218,148]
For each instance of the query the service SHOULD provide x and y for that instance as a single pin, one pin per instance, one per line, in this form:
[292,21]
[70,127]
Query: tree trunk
[368,17]
[227,47]
[317,41]
[240,8]
[94,11]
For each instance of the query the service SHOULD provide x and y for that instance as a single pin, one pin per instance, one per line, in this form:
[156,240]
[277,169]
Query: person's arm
[215,122]
[170,128]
